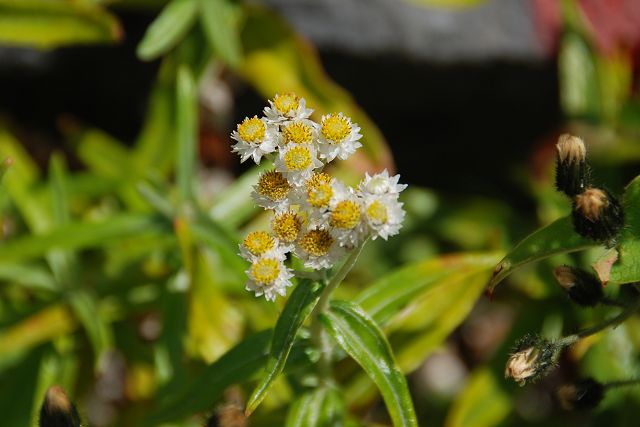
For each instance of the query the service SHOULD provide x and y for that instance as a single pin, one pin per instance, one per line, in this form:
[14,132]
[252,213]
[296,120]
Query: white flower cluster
[317,217]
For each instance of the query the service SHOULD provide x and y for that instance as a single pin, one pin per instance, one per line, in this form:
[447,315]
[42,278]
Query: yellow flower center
[252,130]
[273,185]
[319,190]
[286,103]
[298,158]
[286,226]
[298,133]
[377,211]
[316,242]
[265,271]
[259,242]
[335,128]
[346,214]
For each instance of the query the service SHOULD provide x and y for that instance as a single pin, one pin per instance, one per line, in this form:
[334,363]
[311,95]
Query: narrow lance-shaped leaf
[556,238]
[168,29]
[322,407]
[363,340]
[186,132]
[222,35]
[298,307]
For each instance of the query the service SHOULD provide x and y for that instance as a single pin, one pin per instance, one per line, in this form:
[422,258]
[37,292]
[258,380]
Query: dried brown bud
[533,357]
[597,215]
[582,287]
[229,415]
[571,168]
[57,410]
[585,394]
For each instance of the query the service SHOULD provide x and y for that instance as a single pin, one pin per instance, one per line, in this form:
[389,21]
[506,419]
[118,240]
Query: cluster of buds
[596,213]
[532,358]
[316,217]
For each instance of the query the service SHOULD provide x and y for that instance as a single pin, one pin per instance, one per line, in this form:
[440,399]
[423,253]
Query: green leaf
[81,235]
[481,404]
[168,29]
[363,340]
[389,294]
[580,92]
[298,307]
[237,365]
[47,24]
[556,238]
[217,20]
[627,268]
[85,308]
[28,275]
[187,101]
[323,407]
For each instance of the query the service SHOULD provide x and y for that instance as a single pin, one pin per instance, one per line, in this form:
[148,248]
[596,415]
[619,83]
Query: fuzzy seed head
[335,128]
[265,270]
[259,242]
[592,203]
[286,103]
[273,185]
[570,149]
[286,226]
[316,242]
[298,133]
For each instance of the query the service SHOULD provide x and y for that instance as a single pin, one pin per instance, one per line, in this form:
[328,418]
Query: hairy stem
[614,321]
[625,383]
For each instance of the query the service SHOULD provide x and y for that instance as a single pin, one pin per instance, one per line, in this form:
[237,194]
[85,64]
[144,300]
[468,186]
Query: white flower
[297,162]
[314,196]
[255,138]
[380,184]
[284,107]
[344,216]
[318,249]
[298,132]
[268,276]
[272,191]
[383,214]
[338,137]
[259,244]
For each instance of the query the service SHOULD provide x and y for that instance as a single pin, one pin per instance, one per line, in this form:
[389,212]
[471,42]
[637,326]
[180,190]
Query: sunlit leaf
[299,305]
[168,29]
[627,268]
[556,238]
[580,92]
[187,102]
[323,407]
[361,338]
[481,404]
[47,24]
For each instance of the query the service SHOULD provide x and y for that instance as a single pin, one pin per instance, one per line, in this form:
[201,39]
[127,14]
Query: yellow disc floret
[316,242]
[298,158]
[259,242]
[273,185]
[298,133]
[252,130]
[286,226]
[335,128]
[346,214]
[265,270]
[286,103]
[377,211]
[319,190]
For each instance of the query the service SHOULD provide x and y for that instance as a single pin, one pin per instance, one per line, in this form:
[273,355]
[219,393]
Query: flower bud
[57,410]
[230,415]
[582,287]
[532,359]
[571,168]
[585,394]
[597,215]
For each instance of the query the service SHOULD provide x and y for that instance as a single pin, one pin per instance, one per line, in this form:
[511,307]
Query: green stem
[318,334]
[615,384]
[614,321]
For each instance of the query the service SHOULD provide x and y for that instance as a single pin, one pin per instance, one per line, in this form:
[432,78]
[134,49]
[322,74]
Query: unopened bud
[532,359]
[57,410]
[229,415]
[582,287]
[571,167]
[597,215]
[585,394]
